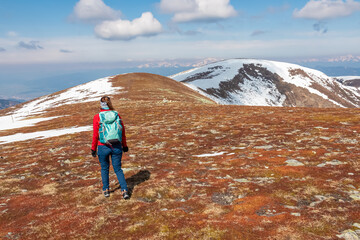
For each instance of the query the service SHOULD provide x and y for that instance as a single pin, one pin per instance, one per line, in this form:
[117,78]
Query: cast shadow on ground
[136,179]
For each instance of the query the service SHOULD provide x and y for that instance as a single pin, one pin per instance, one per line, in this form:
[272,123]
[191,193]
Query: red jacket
[96,126]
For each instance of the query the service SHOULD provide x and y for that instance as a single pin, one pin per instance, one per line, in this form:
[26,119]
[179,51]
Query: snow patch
[11,122]
[42,134]
[210,154]
[88,92]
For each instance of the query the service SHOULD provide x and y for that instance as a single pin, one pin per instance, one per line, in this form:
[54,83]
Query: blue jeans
[116,153]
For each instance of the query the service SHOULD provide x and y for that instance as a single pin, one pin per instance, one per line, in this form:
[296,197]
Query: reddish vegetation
[51,188]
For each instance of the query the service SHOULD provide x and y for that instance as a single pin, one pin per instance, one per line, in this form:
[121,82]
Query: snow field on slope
[283,70]
[11,122]
[264,94]
[255,94]
[229,71]
[42,134]
[88,92]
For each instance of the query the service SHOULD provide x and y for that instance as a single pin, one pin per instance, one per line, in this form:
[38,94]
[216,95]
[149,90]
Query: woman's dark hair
[108,102]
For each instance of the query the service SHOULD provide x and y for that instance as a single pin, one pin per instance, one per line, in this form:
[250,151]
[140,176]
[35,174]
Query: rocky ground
[196,170]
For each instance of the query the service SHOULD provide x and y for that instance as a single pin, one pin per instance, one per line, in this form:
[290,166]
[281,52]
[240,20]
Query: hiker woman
[110,140]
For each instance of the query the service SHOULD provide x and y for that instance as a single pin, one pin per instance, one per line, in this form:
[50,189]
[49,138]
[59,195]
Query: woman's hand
[93,153]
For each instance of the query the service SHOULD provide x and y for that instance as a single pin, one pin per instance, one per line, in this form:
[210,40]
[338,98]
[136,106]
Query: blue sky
[40,38]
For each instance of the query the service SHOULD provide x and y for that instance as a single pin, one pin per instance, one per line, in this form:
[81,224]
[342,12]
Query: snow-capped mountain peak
[268,83]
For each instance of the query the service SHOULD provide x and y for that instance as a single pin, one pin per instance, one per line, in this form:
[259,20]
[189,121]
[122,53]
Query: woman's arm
[123,133]
[95,138]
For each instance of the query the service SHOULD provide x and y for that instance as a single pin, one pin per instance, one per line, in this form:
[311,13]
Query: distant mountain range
[5,103]
[346,58]
[270,83]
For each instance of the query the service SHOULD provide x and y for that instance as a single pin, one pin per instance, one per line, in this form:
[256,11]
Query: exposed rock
[223,198]
[304,203]
[355,195]
[357,225]
[267,211]
[242,180]
[293,163]
[349,235]
[263,147]
[332,163]
[319,198]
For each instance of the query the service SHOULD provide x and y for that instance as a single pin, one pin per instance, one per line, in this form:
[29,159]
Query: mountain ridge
[268,83]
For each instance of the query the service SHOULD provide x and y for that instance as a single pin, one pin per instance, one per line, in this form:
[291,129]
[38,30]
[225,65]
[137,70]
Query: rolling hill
[269,83]
[196,169]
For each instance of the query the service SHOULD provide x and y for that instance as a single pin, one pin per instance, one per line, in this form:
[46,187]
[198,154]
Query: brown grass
[63,198]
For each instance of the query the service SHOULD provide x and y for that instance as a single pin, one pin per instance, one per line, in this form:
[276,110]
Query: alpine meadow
[180,119]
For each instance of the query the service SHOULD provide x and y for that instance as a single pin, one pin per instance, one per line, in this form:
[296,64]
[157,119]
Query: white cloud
[173,6]
[327,9]
[198,10]
[87,49]
[94,10]
[12,34]
[146,25]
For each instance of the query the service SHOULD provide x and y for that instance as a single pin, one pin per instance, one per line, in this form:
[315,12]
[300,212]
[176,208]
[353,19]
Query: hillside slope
[268,83]
[196,170]
[68,109]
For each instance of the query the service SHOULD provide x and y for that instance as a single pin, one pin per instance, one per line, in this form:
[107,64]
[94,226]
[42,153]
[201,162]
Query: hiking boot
[125,195]
[107,193]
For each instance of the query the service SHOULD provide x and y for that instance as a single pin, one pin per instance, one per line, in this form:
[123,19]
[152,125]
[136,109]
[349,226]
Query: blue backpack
[110,130]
